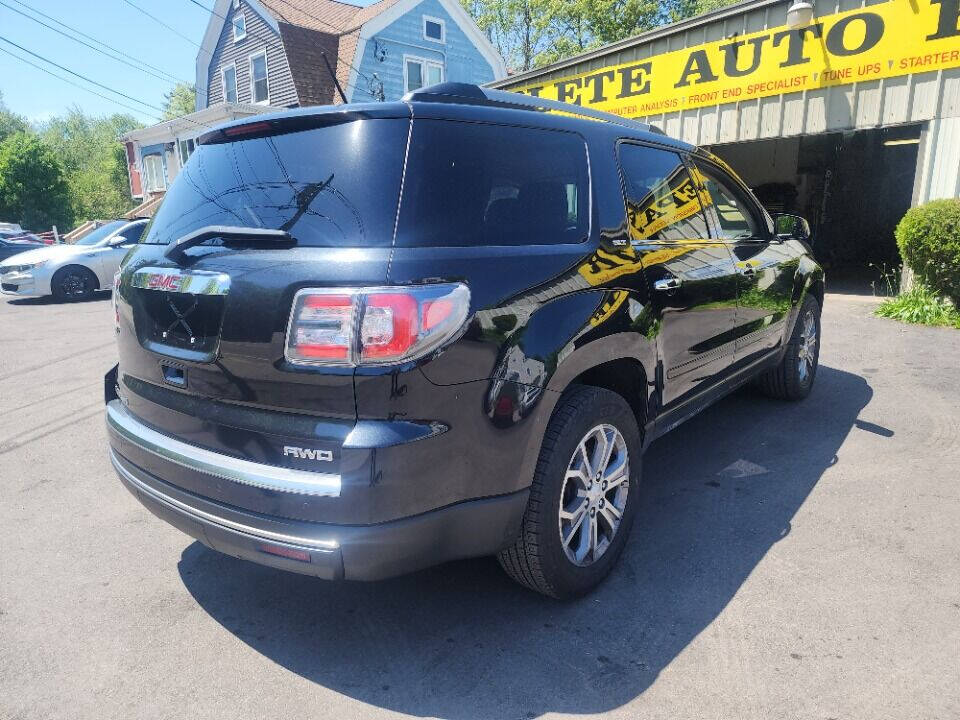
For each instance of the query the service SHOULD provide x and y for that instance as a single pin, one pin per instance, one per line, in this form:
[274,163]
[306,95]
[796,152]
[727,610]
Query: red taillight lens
[395,324]
[390,325]
[321,328]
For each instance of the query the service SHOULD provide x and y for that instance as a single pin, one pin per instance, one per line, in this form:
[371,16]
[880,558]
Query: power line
[92,47]
[161,22]
[78,85]
[98,42]
[82,77]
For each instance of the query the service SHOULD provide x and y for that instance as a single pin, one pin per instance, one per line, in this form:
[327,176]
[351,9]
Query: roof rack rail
[474,95]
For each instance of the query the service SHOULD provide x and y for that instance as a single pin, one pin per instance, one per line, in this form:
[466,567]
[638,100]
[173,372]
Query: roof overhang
[194,123]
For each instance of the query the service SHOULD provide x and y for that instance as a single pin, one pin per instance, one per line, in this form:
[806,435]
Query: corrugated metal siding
[891,101]
[939,164]
[259,36]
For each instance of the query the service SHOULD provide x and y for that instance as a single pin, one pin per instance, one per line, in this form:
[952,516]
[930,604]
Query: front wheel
[793,378]
[583,496]
[73,283]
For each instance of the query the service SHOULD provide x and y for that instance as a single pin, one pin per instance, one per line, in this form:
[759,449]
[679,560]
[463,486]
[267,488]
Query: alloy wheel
[594,495]
[807,351]
[74,285]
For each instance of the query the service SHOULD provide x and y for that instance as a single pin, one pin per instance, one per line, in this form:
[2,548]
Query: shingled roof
[308,27]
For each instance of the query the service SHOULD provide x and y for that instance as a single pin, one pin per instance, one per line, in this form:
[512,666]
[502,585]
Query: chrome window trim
[196,282]
[226,467]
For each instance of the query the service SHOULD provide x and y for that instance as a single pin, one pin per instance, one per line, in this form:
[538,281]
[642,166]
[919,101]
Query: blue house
[276,52]
[260,55]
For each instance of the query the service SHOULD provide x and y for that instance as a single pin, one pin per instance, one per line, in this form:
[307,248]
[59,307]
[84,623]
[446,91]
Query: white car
[75,271]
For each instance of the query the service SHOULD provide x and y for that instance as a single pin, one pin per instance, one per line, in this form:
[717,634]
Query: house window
[259,90]
[434,29]
[153,175]
[229,76]
[186,150]
[239,26]
[419,72]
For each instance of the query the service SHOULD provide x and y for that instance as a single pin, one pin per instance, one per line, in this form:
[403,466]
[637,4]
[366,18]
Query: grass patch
[921,306]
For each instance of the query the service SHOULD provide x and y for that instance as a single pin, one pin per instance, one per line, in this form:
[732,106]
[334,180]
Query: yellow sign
[898,37]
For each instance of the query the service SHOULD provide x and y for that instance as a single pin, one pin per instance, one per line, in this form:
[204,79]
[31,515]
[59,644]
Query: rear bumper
[354,552]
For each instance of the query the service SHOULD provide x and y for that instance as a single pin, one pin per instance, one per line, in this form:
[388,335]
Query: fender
[808,279]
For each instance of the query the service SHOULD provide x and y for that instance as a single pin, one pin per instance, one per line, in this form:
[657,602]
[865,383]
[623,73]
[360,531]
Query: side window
[133,234]
[259,87]
[736,218]
[229,77]
[476,184]
[662,202]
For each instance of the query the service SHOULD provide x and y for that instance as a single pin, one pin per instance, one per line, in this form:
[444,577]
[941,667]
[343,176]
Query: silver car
[75,271]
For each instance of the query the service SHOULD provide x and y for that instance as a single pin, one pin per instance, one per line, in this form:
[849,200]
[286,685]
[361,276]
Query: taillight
[373,326]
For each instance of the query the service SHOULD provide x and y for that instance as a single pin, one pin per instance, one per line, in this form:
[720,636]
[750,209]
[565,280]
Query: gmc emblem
[307,453]
[169,283]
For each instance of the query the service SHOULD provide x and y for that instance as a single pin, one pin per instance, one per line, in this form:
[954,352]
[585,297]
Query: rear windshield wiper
[176,249]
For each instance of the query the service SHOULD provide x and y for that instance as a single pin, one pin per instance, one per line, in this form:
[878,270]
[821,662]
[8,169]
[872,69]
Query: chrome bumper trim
[207,518]
[244,472]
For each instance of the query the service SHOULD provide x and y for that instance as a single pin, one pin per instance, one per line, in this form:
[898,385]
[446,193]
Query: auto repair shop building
[847,120]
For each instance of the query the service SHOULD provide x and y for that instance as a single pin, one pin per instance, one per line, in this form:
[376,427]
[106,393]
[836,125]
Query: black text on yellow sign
[879,41]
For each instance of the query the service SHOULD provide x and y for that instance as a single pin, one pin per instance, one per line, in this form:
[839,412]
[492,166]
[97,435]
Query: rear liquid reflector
[285,552]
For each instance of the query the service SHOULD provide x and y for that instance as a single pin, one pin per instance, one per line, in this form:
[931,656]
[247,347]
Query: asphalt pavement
[788,561]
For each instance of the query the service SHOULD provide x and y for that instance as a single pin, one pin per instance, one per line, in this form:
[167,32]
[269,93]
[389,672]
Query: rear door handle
[667,284]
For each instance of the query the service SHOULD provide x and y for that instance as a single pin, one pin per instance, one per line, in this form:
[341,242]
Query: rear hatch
[272,206]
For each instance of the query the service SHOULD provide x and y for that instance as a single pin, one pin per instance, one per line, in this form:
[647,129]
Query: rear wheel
[73,283]
[793,378]
[583,496]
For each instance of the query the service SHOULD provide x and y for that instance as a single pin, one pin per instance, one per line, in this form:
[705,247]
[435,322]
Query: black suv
[357,341]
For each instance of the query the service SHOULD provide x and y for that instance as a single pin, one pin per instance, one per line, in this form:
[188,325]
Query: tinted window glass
[131,235]
[735,218]
[476,184]
[662,202]
[95,236]
[331,186]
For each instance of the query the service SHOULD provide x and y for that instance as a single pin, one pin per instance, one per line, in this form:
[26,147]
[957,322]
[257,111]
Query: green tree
[182,100]
[94,161]
[33,191]
[682,9]
[533,33]
[10,123]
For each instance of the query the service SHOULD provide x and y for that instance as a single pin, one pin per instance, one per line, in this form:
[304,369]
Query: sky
[38,96]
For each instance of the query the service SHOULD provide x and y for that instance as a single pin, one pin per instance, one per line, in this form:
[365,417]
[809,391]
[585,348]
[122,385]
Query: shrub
[920,305]
[929,241]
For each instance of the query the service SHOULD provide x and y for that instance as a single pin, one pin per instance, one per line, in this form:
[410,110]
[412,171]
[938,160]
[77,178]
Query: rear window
[331,186]
[479,184]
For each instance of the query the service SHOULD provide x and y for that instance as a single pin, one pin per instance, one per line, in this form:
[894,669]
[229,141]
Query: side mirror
[791,227]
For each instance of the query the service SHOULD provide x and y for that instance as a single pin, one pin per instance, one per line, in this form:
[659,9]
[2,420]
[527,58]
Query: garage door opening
[853,187]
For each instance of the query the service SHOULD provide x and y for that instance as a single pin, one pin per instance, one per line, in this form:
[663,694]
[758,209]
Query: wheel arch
[69,266]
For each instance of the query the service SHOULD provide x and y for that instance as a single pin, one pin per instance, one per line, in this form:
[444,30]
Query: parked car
[12,243]
[75,271]
[362,340]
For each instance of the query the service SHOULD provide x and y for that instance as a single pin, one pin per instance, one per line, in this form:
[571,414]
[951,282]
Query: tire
[539,559]
[73,282]
[793,378]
